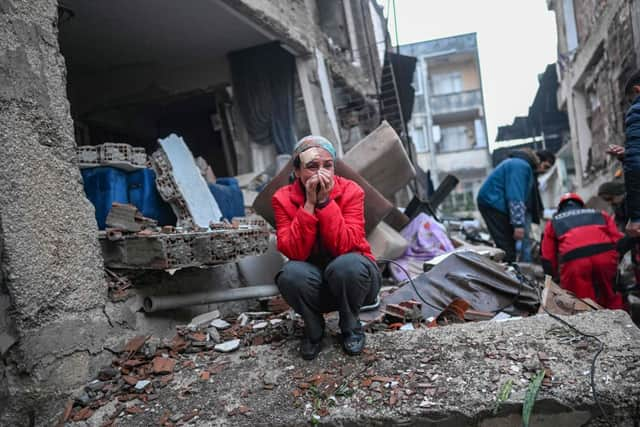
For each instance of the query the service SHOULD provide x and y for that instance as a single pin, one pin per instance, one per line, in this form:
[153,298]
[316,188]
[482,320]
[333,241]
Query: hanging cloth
[263,87]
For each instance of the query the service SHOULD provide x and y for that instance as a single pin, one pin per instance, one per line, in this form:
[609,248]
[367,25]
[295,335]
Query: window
[461,199]
[442,84]
[453,138]
[481,138]
[419,139]
[419,104]
[570,25]
[417,79]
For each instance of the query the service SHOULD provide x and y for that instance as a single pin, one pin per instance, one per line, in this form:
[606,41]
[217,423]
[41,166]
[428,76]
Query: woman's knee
[348,267]
[295,274]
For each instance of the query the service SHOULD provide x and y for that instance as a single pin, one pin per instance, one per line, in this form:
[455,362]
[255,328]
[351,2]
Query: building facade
[598,45]
[448,124]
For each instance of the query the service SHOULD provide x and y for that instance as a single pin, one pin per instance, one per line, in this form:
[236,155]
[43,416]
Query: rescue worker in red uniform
[579,248]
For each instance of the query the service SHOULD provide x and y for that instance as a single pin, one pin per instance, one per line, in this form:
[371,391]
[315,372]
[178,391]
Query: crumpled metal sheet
[483,283]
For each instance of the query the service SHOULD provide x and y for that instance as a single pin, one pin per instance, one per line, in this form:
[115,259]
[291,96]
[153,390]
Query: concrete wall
[51,260]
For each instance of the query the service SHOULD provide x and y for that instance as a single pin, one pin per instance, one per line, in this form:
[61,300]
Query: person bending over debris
[581,243]
[509,193]
[613,192]
[320,228]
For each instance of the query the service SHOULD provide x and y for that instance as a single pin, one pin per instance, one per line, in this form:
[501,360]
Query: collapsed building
[79,74]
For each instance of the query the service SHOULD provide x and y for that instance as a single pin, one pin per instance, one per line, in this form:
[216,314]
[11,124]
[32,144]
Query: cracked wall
[52,267]
[592,80]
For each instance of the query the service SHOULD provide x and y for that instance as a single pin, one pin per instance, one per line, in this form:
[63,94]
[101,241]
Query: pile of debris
[145,364]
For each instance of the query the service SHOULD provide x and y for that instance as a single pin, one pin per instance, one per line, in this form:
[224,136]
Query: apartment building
[448,126]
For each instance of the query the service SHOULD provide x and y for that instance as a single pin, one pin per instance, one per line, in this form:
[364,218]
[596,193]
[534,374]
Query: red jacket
[337,228]
[577,234]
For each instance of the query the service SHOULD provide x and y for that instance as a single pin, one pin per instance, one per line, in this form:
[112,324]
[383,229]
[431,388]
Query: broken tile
[83,414]
[243,319]
[135,344]
[130,379]
[140,385]
[214,335]
[228,346]
[260,325]
[220,324]
[162,365]
[134,410]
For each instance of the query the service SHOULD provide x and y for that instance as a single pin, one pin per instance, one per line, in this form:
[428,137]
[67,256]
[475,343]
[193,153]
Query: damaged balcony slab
[446,376]
[165,251]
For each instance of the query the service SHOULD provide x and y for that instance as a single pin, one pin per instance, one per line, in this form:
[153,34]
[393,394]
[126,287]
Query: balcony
[457,106]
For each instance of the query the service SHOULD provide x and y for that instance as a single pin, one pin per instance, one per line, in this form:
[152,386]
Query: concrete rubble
[435,376]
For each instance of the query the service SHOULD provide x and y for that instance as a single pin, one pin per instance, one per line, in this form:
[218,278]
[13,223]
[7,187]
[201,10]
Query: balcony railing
[456,102]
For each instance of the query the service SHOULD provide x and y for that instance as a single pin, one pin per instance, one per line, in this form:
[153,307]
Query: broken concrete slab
[560,301]
[127,217]
[180,184]
[204,319]
[386,242]
[447,376]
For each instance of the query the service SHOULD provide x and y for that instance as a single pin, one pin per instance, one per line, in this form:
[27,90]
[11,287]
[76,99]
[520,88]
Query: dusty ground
[446,376]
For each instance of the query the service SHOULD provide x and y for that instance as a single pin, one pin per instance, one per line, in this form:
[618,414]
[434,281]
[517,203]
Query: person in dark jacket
[509,193]
[579,251]
[613,192]
[320,228]
[631,160]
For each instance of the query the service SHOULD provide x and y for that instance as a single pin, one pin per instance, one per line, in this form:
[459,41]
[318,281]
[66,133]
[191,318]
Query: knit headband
[314,141]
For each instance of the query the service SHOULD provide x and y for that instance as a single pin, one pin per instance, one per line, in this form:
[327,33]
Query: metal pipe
[166,302]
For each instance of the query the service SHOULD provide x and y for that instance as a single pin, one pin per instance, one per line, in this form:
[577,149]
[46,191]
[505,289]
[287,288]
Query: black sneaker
[310,349]
[353,343]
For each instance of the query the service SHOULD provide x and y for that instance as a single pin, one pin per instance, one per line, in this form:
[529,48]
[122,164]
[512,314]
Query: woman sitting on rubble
[320,228]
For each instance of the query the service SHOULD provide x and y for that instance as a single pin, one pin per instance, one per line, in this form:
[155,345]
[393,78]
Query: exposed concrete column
[580,144]
[316,94]
[51,256]
[351,30]
[635,25]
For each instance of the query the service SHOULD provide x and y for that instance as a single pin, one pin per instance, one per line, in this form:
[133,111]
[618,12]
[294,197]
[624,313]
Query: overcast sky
[516,40]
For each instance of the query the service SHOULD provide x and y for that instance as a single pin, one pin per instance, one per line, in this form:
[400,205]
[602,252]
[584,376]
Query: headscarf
[313,141]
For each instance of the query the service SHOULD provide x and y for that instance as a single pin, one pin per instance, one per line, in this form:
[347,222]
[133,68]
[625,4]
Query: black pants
[501,231]
[346,284]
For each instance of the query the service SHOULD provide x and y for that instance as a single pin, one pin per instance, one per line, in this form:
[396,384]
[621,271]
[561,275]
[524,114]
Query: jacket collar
[297,194]
[528,155]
